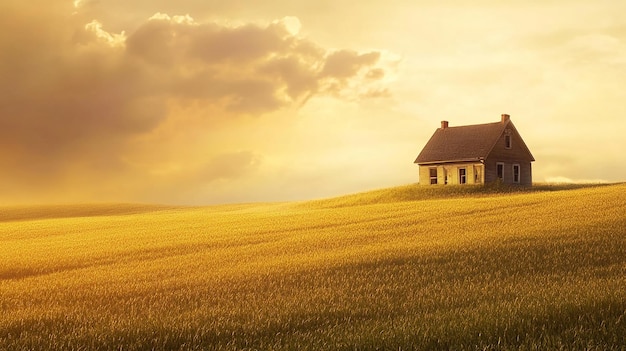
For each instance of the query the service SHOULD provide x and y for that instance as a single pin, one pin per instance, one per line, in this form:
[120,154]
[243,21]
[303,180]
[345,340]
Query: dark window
[478,178]
[507,141]
[462,177]
[500,170]
[516,173]
[433,176]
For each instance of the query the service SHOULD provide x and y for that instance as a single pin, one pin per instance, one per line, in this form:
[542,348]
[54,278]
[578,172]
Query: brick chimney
[505,117]
[444,124]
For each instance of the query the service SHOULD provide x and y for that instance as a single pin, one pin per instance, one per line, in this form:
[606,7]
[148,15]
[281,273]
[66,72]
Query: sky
[209,101]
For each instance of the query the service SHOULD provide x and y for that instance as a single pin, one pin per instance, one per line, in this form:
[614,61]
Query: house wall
[492,176]
[517,154]
[424,175]
[448,173]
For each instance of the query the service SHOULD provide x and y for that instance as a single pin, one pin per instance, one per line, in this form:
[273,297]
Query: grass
[455,268]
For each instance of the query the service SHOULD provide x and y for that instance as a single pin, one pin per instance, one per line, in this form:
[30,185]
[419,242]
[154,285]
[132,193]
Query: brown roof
[464,143]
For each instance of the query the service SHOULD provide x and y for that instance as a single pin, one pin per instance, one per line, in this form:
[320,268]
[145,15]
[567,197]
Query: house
[476,154]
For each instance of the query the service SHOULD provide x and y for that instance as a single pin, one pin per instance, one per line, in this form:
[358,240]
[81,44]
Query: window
[500,170]
[433,175]
[516,173]
[507,141]
[462,176]
[477,178]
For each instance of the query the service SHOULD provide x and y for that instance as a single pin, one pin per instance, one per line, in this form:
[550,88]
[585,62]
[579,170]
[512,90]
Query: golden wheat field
[461,268]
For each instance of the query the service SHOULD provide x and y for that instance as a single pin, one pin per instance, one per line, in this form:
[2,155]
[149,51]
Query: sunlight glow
[111,38]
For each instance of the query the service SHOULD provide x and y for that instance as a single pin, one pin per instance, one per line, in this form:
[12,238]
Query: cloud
[251,68]
[228,165]
[292,24]
[79,4]
[110,38]
[76,99]
[343,64]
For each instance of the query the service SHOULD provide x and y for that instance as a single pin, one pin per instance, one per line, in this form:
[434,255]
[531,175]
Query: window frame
[430,175]
[519,173]
[501,166]
[508,141]
[477,171]
[462,177]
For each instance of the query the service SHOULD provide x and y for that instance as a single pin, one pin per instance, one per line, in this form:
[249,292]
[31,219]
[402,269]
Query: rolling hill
[402,268]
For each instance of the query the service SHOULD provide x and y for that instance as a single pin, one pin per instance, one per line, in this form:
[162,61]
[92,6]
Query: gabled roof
[464,143]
